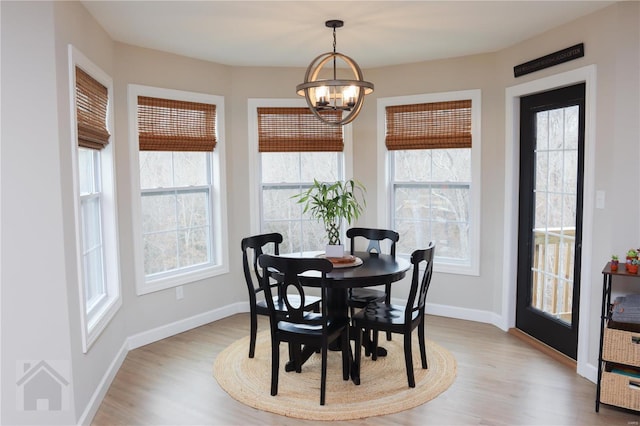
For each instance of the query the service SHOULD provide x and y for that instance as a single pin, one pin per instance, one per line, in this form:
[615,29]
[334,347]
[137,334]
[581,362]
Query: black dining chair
[380,316]
[358,298]
[298,327]
[252,248]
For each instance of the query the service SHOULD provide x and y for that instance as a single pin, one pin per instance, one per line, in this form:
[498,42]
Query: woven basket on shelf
[621,346]
[620,390]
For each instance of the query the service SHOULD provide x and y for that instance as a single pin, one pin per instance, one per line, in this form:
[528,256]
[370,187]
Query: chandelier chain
[335,75]
[334,39]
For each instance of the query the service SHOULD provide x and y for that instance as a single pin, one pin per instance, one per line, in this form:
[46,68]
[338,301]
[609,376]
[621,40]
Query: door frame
[587,75]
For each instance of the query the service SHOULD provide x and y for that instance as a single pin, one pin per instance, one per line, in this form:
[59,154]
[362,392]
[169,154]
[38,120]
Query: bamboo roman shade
[429,125]
[297,129]
[171,125]
[92,99]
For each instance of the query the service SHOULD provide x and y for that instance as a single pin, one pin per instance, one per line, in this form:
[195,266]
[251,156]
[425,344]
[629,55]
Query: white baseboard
[177,327]
[97,397]
[475,315]
[589,372]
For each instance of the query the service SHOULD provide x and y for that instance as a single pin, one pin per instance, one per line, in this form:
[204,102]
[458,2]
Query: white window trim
[218,194]
[254,155]
[91,328]
[384,164]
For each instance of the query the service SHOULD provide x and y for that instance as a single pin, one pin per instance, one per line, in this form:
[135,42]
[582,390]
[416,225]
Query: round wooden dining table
[375,269]
[371,270]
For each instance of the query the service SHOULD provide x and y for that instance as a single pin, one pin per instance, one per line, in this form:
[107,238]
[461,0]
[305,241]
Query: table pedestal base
[307,351]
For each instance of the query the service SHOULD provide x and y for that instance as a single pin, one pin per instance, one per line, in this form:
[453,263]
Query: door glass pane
[555,212]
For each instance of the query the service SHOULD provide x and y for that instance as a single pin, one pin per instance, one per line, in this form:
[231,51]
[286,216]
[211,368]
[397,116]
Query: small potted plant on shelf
[614,262]
[631,255]
[632,267]
[331,203]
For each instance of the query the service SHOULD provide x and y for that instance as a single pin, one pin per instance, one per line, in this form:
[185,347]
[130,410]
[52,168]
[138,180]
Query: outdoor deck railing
[553,260]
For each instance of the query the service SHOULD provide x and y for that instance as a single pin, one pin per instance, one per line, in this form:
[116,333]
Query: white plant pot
[334,250]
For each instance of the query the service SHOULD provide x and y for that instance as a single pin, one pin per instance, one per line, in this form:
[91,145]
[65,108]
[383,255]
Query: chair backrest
[252,248]
[289,270]
[374,236]
[419,285]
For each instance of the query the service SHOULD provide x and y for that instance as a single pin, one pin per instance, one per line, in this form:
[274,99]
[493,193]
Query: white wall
[35,311]
[37,233]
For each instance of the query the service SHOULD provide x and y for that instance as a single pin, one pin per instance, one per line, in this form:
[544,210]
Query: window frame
[217,203]
[255,171]
[385,183]
[94,322]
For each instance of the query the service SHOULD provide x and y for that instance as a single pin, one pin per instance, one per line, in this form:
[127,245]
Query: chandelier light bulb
[349,96]
[322,96]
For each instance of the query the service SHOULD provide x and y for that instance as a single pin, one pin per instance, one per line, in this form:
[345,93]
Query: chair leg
[275,365]
[367,349]
[254,332]
[356,357]
[375,333]
[374,346]
[295,354]
[408,360]
[317,310]
[387,289]
[323,374]
[346,352]
[423,347]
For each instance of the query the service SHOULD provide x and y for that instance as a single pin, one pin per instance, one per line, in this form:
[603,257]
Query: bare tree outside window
[176,208]
[283,175]
[431,200]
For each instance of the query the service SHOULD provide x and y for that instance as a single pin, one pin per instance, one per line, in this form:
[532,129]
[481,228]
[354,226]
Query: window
[92,236]
[291,147]
[94,185]
[433,151]
[179,209]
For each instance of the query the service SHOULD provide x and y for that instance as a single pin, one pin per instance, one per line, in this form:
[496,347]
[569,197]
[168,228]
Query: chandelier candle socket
[342,94]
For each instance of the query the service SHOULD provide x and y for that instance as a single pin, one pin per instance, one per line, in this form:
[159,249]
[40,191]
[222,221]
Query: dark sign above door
[555,58]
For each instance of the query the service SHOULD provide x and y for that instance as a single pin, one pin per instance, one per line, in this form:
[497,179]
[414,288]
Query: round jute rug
[383,389]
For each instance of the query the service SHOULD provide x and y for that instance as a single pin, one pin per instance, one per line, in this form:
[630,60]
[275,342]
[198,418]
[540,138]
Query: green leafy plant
[614,257]
[631,253]
[331,203]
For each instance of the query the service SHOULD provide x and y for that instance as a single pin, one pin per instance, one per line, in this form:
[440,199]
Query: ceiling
[292,33]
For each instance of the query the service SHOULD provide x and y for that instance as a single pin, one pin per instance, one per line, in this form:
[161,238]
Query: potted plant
[631,254]
[614,262]
[331,203]
[632,267]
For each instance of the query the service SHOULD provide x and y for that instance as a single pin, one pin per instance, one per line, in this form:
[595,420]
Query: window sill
[457,269]
[150,286]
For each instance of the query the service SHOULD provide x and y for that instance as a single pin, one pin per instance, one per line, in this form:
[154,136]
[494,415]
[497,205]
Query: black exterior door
[550,216]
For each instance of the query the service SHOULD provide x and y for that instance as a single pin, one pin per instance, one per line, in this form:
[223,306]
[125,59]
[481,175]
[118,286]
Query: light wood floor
[501,381]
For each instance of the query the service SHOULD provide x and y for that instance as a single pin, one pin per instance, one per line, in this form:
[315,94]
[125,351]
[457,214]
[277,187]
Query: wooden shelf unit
[619,352]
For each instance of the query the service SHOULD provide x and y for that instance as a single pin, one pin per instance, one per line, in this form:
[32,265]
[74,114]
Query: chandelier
[334,94]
